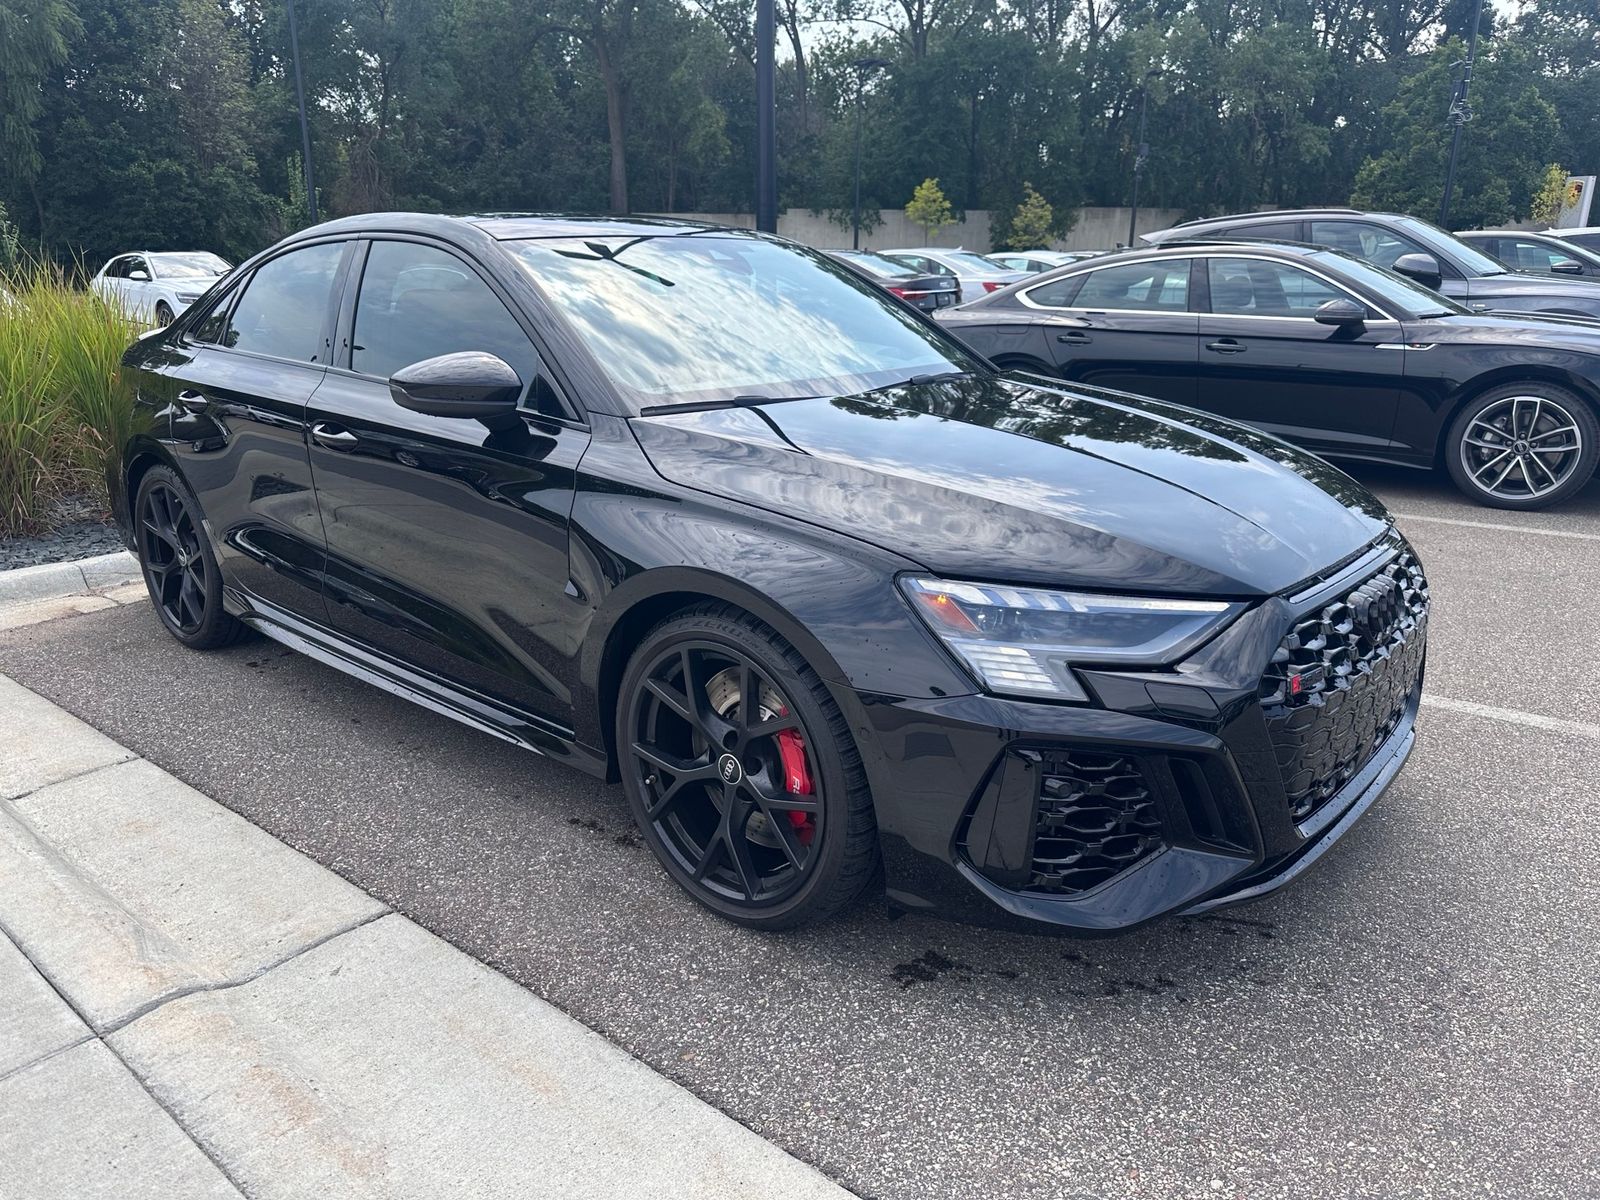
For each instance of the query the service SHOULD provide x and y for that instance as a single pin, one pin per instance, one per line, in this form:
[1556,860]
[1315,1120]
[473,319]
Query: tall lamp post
[1143,151]
[766,116]
[1460,114]
[862,66]
[305,126]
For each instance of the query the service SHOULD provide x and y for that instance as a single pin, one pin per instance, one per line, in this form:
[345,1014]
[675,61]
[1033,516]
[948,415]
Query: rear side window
[285,307]
[1058,293]
[1281,231]
[1154,286]
[419,302]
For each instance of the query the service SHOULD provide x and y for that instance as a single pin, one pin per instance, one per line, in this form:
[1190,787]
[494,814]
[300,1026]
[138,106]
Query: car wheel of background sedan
[1523,445]
[179,568]
[163,314]
[742,773]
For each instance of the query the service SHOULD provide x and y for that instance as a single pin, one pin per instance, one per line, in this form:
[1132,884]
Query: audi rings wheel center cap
[1521,447]
[728,767]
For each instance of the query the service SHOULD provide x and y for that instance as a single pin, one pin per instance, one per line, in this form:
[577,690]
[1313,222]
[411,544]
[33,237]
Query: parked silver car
[1034,261]
[153,289]
[976,275]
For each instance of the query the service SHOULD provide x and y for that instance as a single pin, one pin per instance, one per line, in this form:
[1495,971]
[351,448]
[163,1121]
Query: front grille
[1096,817]
[1339,682]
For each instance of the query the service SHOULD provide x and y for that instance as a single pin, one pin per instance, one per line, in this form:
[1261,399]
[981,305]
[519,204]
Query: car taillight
[901,292]
[990,285]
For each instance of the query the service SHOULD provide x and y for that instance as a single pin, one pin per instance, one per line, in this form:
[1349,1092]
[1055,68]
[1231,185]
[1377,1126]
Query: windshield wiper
[920,380]
[750,401]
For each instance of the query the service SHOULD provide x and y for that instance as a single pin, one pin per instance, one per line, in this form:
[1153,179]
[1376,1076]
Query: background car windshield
[188,266]
[1401,296]
[884,268]
[973,262]
[1475,261]
[691,318]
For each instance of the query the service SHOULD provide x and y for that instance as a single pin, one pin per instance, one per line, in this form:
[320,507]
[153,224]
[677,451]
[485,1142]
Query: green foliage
[10,241]
[1032,223]
[1553,194]
[929,209]
[64,407]
[1503,150]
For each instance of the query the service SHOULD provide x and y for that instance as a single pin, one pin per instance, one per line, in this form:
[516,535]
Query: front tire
[741,772]
[180,571]
[164,315]
[1523,445]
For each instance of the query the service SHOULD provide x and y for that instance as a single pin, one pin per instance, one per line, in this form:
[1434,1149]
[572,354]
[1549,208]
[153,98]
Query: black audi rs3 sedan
[704,512]
[1322,349]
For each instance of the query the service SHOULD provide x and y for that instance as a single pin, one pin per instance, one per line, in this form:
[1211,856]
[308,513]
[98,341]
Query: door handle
[1225,346]
[333,437]
[1074,338]
[192,401]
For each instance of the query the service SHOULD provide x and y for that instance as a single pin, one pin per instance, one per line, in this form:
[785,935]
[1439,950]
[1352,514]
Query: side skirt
[479,712]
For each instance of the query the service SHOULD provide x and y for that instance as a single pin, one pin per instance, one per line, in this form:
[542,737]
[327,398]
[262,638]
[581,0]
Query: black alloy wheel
[179,570]
[1523,446]
[163,314]
[741,773]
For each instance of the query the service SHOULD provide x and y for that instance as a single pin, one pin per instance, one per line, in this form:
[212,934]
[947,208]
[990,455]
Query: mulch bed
[76,527]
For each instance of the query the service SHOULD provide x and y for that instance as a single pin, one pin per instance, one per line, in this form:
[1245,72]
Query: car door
[238,384]
[1129,326]
[1265,361]
[138,293]
[110,280]
[447,540]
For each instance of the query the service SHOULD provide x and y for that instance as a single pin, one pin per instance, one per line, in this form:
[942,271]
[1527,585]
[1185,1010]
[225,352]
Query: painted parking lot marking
[1564,533]
[1513,716]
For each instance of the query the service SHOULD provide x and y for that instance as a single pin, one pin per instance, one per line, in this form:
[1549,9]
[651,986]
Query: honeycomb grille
[1339,682]
[1096,818]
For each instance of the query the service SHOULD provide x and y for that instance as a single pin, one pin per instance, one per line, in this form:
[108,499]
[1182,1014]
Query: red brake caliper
[796,779]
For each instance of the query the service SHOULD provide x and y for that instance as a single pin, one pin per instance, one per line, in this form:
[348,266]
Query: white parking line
[1512,716]
[1566,533]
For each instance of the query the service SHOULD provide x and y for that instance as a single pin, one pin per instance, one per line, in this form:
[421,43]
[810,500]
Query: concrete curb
[84,576]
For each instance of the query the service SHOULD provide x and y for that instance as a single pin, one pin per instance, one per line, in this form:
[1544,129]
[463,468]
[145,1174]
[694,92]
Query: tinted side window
[214,324]
[1280,231]
[1374,243]
[1253,287]
[118,269]
[418,302]
[284,309]
[1532,256]
[1590,241]
[1058,293]
[1157,286]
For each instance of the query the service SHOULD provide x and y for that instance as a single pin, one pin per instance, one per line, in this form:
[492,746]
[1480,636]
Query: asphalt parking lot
[1418,1017]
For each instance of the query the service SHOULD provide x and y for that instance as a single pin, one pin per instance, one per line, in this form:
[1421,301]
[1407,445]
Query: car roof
[506,226]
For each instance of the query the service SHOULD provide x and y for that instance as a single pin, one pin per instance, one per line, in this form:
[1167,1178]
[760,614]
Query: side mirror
[1342,311]
[139,276]
[1424,268]
[1566,266]
[471,384]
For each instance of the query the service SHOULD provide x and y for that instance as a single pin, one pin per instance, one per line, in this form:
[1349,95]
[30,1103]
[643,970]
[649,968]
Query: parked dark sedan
[699,510]
[1320,348]
[1410,247]
[927,292]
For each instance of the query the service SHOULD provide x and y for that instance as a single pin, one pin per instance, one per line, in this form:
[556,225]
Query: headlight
[188,297]
[1023,641]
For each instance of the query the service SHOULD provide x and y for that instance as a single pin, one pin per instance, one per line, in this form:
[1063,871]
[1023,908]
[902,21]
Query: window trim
[239,287]
[344,328]
[1309,270]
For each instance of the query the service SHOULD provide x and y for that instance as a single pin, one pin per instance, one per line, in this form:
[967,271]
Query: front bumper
[1185,790]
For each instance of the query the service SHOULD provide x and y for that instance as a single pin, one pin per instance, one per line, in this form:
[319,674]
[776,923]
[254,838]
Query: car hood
[1002,479]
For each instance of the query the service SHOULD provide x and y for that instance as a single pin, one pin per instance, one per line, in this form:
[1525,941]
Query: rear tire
[741,772]
[1523,445]
[180,571]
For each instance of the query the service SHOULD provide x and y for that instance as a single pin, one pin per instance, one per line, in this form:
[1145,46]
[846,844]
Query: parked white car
[1034,261]
[976,275]
[154,288]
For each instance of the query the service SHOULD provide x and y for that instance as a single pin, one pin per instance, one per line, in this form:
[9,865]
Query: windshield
[703,317]
[1472,260]
[1402,296]
[972,262]
[886,268]
[188,266]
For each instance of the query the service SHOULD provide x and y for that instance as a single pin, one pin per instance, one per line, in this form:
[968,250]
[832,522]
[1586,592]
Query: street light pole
[1460,114]
[1140,154]
[305,125]
[766,116]
[862,66]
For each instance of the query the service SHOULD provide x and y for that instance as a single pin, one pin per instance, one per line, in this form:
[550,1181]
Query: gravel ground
[77,527]
[1420,1017]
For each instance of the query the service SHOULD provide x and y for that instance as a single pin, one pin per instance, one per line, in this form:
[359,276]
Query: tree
[1503,151]
[1553,194]
[929,209]
[1032,222]
[34,37]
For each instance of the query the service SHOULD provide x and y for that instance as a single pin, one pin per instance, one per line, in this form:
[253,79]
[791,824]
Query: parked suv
[1534,253]
[1409,247]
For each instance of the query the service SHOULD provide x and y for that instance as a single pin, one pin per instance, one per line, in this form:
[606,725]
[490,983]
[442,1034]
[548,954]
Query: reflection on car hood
[1515,283]
[1000,479]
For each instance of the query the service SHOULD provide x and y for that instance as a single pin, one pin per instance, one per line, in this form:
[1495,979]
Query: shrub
[65,410]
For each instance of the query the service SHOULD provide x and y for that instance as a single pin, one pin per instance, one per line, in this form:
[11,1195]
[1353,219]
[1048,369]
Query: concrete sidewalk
[190,1008]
